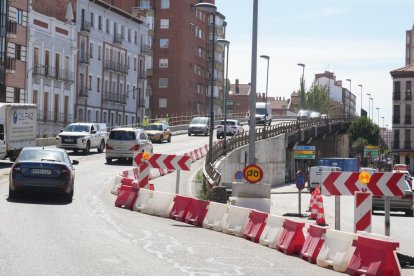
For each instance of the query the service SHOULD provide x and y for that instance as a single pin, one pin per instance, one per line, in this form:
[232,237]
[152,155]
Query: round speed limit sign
[253,173]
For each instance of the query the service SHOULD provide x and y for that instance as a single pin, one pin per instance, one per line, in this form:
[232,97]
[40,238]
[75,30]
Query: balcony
[141,103]
[407,144]
[396,119]
[11,29]
[396,96]
[148,72]
[84,58]
[10,65]
[144,48]
[142,75]
[407,120]
[85,26]
[408,96]
[116,67]
[83,91]
[54,117]
[117,39]
[64,75]
[115,98]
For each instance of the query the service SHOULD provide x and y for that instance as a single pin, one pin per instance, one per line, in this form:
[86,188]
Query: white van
[315,175]
[263,113]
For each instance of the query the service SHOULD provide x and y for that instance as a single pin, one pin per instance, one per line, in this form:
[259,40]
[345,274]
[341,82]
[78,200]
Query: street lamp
[369,104]
[360,85]
[382,121]
[252,96]
[210,9]
[372,108]
[378,114]
[349,98]
[267,82]
[226,43]
[302,85]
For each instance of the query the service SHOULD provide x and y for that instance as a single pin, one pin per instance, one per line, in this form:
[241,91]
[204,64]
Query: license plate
[41,171]
[68,140]
[120,149]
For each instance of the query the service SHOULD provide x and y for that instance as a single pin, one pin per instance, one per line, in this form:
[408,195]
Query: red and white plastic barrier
[363,211]
[272,230]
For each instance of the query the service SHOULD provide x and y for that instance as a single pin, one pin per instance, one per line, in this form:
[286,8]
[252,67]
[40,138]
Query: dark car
[42,170]
[397,203]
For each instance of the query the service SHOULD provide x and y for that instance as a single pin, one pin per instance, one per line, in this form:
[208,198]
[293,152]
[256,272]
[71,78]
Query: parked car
[408,177]
[325,116]
[40,169]
[398,203]
[83,136]
[368,170]
[158,132]
[303,115]
[315,115]
[315,175]
[199,125]
[232,128]
[123,142]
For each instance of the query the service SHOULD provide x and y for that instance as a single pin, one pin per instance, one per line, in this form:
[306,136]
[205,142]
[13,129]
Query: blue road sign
[304,148]
[300,181]
[238,175]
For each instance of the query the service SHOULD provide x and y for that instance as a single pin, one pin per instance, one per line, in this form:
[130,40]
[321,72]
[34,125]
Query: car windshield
[122,135]
[229,123]
[261,111]
[36,155]
[202,121]
[154,127]
[77,128]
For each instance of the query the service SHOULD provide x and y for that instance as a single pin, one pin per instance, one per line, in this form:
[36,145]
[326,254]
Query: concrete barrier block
[250,190]
[159,204]
[260,204]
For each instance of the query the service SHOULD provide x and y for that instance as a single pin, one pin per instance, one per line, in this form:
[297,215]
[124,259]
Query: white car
[315,115]
[123,142]
[232,128]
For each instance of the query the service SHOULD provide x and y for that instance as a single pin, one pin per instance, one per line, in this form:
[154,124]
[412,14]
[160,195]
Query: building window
[135,37]
[19,16]
[408,90]
[163,82]
[100,23]
[123,32]
[99,52]
[92,19]
[145,4]
[165,23]
[397,91]
[18,53]
[129,35]
[163,63]
[107,26]
[97,119]
[91,50]
[135,64]
[133,91]
[165,4]
[113,86]
[162,103]
[164,43]
[90,83]
[127,90]
[17,95]
[407,114]
[98,84]
[396,144]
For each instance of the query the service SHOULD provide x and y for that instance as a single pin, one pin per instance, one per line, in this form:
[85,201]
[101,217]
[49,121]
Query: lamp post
[226,44]
[252,96]
[382,121]
[267,82]
[369,104]
[349,98]
[360,85]
[378,114]
[210,9]
[302,85]
[27,78]
[372,108]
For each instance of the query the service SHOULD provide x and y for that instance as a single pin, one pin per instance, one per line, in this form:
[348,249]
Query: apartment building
[402,119]
[4,7]
[51,68]
[16,53]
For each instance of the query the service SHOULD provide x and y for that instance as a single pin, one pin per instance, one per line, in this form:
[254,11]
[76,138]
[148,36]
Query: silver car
[398,203]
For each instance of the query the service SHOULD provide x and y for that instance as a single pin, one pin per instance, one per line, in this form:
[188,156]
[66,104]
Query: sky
[361,40]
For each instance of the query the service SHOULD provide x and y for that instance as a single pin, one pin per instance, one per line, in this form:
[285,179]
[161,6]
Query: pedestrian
[144,122]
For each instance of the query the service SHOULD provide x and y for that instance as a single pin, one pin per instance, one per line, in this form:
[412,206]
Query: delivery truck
[346,164]
[18,128]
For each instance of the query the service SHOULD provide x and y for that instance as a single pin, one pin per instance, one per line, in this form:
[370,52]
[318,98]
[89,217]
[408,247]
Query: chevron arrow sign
[347,183]
[164,161]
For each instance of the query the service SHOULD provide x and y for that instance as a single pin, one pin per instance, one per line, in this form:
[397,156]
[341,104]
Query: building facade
[16,53]
[402,119]
[4,15]
[409,46]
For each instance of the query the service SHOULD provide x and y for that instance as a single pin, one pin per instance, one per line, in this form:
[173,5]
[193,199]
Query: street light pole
[267,82]
[252,96]
[302,84]
[226,43]
[349,98]
[382,121]
[378,115]
[210,9]
[372,108]
[360,85]
[369,104]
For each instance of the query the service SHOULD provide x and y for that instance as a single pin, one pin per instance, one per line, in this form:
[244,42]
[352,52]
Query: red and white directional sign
[164,161]
[347,183]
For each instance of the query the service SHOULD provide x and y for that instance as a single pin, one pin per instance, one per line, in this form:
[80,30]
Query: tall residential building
[51,68]
[181,48]
[402,119]
[4,7]
[15,60]
[409,46]
[109,59]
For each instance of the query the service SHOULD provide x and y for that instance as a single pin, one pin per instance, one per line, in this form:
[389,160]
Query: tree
[302,93]
[363,127]
[358,146]
[316,99]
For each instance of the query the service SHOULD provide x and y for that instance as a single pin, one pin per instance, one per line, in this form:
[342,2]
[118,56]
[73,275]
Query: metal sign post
[337,213]
[177,182]
[300,184]
[387,215]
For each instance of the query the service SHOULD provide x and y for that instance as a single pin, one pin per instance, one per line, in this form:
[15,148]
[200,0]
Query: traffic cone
[320,218]
[314,209]
[312,198]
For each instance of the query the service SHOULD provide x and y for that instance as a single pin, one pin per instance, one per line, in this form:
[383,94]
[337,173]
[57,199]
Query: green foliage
[302,94]
[358,146]
[316,99]
[363,127]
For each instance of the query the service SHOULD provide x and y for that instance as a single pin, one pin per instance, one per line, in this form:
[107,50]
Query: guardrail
[213,176]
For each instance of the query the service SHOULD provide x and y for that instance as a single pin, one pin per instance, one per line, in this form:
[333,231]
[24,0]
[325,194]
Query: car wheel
[101,146]
[12,194]
[169,139]
[69,197]
[75,151]
[88,147]
[189,133]
[409,213]
[108,160]
[206,134]
[218,136]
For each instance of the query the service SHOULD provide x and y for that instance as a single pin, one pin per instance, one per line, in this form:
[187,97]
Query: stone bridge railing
[297,131]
